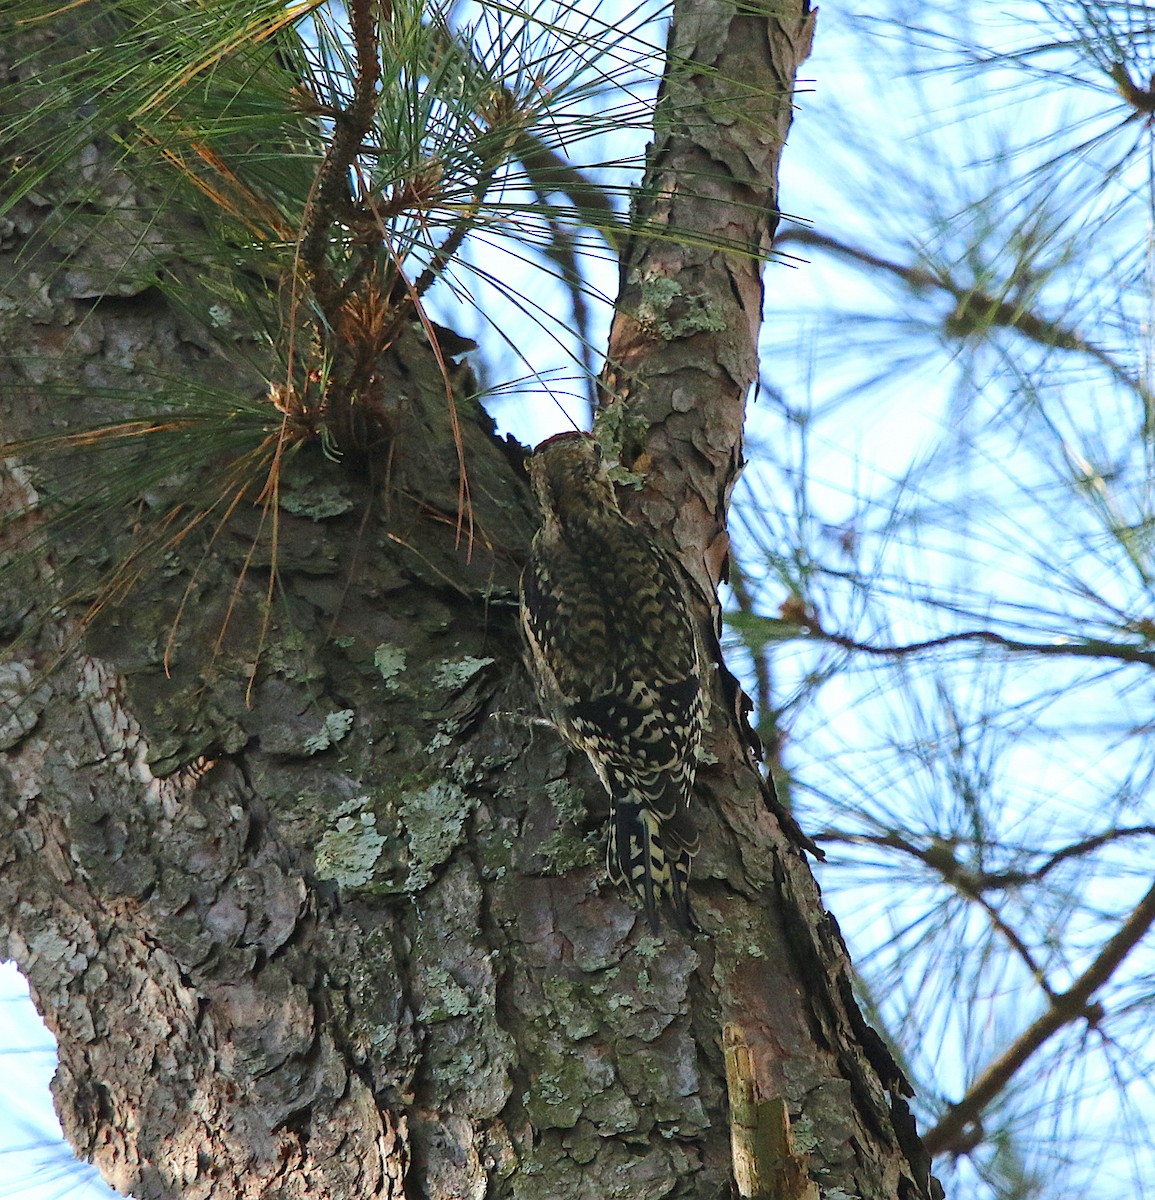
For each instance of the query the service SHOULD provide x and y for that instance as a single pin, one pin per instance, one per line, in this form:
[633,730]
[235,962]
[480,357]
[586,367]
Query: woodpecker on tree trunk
[618,666]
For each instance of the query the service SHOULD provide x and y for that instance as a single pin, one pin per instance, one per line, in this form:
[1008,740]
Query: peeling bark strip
[766,1163]
[353,940]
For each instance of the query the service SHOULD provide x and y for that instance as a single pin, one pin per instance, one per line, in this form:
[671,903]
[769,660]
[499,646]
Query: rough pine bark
[330,919]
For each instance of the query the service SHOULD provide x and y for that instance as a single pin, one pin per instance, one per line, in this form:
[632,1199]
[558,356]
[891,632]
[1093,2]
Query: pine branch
[975,310]
[940,858]
[351,126]
[1066,1008]
[1084,649]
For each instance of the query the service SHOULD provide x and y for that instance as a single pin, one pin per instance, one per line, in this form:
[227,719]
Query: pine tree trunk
[318,910]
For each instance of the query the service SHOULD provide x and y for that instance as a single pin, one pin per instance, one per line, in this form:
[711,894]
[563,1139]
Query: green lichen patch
[306,493]
[562,852]
[349,850]
[390,661]
[569,1009]
[434,819]
[668,312]
[334,727]
[562,1088]
[455,673]
[568,801]
[445,997]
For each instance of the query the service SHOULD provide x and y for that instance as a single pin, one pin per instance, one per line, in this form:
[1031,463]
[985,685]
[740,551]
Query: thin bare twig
[1093,843]
[985,881]
[1071,1005]
[940,858]
[1016,943]
[974,309]
[1085,649]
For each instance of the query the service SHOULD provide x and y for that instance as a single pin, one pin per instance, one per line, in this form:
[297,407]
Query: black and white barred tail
[644,858]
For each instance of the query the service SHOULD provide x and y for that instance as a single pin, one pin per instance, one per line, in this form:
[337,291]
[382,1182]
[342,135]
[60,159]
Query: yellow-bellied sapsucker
[618,666]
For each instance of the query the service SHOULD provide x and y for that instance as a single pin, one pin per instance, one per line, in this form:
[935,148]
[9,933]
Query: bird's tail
[650,856]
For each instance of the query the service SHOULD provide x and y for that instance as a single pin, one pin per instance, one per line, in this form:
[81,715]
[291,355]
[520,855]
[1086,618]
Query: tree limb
[1086,649]
[1069,1006]
[982,881]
